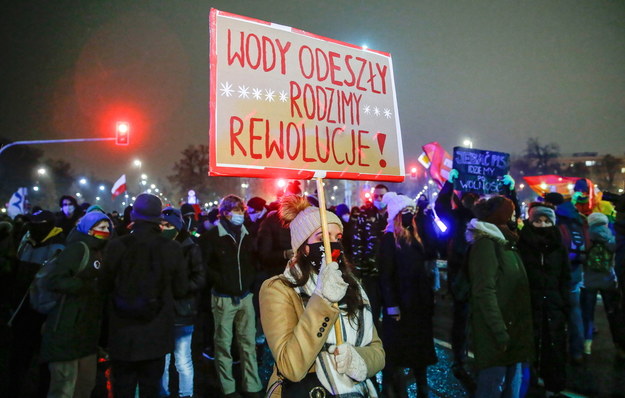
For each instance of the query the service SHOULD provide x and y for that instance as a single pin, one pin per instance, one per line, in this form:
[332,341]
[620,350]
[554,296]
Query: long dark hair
[352,299]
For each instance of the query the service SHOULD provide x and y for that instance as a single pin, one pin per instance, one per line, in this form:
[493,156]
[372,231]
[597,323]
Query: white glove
[330,283]
[349,361]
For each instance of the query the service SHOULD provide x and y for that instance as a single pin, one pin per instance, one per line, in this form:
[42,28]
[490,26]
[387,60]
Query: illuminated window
[590,163]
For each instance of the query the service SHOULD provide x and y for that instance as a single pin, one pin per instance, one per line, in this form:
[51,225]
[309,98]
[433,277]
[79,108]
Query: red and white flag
[441,162]
[119,187]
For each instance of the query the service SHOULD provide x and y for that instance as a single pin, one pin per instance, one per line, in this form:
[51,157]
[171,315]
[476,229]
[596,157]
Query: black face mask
[316,253]
[406,219]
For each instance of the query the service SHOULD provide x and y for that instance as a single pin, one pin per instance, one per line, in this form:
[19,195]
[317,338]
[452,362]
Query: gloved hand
[453,175]
[349,361]
[330,283]
[508,180]
[576,196]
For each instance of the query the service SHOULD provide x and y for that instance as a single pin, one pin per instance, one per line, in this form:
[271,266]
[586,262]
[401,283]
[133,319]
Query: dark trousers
[25,346]
[371,286]
[460,331]
[128,374]
[612,304]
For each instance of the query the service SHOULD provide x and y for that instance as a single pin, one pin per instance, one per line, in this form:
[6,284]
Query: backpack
[461,284]
[139,280]
[600,259]
[41,298]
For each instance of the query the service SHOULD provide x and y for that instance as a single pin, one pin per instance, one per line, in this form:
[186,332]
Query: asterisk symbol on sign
[367,109]
[257,94]
[269,95]
[243,92]
[387,113]
[283,96]
[376,111]
[226,89]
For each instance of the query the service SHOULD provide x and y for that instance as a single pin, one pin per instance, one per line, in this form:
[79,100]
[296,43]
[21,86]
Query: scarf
[358,332]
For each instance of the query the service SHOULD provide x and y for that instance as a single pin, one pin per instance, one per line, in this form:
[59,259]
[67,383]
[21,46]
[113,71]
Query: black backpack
[139,280]
[600,259]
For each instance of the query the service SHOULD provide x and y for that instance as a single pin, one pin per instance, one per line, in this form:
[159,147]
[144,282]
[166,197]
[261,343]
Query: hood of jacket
[92,243]
[480,229]
[568,210]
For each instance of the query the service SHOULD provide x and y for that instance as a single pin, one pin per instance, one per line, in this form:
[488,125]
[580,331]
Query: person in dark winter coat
[599,277]
[186,308]
[456,220]
[69,215]
[407,299]
[274,244]
[140,335]
[546,262]
[501,320]
[41,242]
[227,251]
[72,330]
[575,238]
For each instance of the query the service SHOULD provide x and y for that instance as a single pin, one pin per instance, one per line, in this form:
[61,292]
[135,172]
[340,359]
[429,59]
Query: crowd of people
[135,289]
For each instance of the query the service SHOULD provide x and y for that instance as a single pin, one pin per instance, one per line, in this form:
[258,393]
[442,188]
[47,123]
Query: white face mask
[237,219]
[257,215]
[68,210]
[379,204]
[345,217]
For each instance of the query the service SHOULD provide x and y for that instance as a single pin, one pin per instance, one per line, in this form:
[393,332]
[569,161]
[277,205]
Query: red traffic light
[122,133]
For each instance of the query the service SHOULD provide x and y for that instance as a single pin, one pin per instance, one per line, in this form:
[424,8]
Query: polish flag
[119,187]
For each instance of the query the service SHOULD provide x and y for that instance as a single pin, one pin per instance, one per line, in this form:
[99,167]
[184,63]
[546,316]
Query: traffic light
[122,133]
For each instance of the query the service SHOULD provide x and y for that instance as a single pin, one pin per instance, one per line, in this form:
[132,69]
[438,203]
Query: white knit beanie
[396,203]
[303,219]
[597,219]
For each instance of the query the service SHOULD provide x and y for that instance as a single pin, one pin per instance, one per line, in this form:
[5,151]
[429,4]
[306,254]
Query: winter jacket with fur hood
[501,316]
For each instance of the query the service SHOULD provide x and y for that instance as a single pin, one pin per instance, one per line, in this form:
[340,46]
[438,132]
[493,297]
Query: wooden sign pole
[326,245]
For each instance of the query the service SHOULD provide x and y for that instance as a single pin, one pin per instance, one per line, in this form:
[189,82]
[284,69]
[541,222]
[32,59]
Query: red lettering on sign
[234,134]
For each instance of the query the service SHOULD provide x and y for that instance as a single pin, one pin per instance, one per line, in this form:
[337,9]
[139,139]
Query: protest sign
[480,171]
[291,104]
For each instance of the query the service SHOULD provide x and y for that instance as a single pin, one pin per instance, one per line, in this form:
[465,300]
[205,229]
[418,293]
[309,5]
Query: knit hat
[90,220]
[173,217]
[554,198]
[95,208]
[396,203]
[302,218]
[581,185]
[341,209]
[41,216]
[147,207]
[257,203]
[597,219]
[497,210]
[187,210]
[538,209]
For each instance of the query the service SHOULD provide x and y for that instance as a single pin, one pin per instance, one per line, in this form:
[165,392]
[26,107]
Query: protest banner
[479,170]
[290,104]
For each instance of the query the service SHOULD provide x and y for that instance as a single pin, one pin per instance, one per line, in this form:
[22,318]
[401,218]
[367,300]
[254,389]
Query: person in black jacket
[227,251]
[72,330]
[546,262]
[42,242]
[456,220]
[141,308]
[186,307]
[407,298]
[69,215]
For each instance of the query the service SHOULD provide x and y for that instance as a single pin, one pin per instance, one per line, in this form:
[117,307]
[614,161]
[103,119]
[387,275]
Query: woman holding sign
[298,315]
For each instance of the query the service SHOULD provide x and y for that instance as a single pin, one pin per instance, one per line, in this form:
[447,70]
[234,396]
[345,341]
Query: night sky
[497,72]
